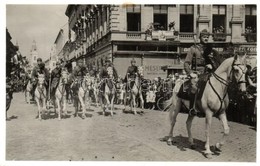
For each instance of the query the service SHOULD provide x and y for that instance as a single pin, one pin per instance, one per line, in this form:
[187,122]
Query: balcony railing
[163,35]
[219,36]
[250,37]
[133,35]
[186,36]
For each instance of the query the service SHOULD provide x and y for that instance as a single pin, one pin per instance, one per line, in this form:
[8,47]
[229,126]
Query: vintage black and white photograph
[131,82]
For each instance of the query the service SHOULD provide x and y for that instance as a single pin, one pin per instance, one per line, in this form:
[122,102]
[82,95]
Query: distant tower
[33,54]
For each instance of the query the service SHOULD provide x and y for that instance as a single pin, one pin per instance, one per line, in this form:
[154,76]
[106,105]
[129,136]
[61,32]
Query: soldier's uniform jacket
[39,70]
[199,56]
[104,74]
[194,59]
[93,73]
[55,76]
[79,72]
[132,70]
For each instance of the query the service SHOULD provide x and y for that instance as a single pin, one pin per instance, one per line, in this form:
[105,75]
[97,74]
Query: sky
[41,23]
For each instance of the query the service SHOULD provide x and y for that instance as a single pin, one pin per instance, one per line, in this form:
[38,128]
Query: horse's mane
[226,63]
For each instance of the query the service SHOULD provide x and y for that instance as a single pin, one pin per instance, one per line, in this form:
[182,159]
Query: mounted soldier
[200,61]
[104,73]
[77,75]
[55,77]
[131,74]
[39,69]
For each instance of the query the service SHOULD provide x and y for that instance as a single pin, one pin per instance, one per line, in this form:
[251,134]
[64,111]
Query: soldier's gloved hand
[209,66]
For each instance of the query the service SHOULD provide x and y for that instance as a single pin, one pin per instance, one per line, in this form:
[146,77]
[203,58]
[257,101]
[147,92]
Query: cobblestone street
[123,137]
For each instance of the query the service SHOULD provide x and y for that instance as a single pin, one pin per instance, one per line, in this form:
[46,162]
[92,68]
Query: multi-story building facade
[157,36]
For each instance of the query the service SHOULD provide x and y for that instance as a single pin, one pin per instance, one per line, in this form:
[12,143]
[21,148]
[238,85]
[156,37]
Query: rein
[40,90]
[224,82]
[62,91]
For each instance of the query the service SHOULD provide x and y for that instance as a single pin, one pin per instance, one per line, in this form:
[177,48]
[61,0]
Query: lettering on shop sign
[153,70]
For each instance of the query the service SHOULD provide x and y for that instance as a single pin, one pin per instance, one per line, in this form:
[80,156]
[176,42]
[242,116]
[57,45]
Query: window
[250,19]
[160,17]
[219,18]
[133,17]
[186,18]
[34,58]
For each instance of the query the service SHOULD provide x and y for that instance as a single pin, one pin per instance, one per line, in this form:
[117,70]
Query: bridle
[226,82]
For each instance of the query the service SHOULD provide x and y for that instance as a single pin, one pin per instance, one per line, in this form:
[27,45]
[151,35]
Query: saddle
[195,85]
[130,83]
[110,84]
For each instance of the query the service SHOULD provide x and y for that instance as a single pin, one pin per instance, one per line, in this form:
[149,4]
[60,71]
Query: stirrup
[193,112]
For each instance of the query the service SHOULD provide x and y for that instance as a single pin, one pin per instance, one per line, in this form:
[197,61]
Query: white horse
[214,99]
[60,94]
[27,92]
[83,96]
[40,94]
[136,91]
[94,87]
[109,93]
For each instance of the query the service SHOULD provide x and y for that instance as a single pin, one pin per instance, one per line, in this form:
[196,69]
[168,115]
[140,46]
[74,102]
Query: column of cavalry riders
[200,60]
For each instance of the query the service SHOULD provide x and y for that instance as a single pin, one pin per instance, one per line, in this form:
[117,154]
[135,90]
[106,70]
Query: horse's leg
[102,104]
[25,95]
[173,116]
[188,126]
[82,102]
[89,100]
[58,107]
[64,105]
[39,108]
[124,100]
[96,99]
[134,103]
[107,101]
[208,119]
[75,100]
[112,104]
[224,121]
[142,101]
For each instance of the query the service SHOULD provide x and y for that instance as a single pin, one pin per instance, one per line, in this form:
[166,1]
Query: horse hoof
[208,155]
[193,146]
[218,147]
[170,143]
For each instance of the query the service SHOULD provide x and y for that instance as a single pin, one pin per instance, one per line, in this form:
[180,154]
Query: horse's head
[87,80]
[110,72]
[239,71]
[64,76]
[41,79]
[140,71]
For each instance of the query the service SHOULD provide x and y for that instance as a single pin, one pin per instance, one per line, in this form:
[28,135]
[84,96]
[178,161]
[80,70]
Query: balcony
[250,37]
[219,36]
[186,36]
[133,35]
[164,35]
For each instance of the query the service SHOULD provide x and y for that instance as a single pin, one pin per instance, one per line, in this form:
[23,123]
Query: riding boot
[192,110]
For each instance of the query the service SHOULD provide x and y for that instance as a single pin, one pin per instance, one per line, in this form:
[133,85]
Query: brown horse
[214,99]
